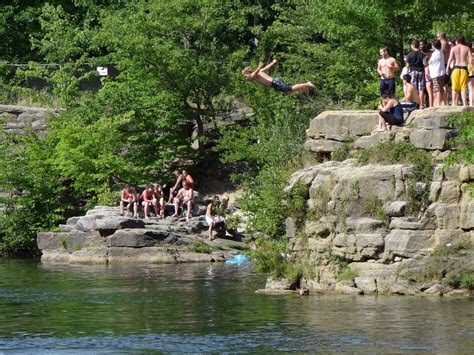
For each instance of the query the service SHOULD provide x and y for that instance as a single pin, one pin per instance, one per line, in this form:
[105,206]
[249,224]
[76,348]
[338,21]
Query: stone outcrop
[428,129]
[102,236]
[17,119]
[358,234]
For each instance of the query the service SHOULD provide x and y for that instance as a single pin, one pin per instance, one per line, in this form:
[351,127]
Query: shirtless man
[386,67]
[185,195]
[176,186]
[411,101]
[261,77]
[150,198]
[460,56]
[189,179]
[128,198]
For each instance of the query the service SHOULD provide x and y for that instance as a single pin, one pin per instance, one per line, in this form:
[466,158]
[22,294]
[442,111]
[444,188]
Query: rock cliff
[380,228]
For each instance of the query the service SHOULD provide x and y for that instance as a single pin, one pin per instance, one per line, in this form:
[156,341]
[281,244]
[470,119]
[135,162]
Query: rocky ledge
[359,232]
[104,237]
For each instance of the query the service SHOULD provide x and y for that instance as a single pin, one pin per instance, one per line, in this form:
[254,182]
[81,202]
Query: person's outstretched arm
[255,73]
[268,66]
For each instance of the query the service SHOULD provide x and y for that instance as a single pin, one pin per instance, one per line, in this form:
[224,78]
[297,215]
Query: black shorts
[391,118]
[387,86]
[280,85]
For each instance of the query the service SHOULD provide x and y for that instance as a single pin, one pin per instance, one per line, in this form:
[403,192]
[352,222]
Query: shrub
[269,257]
[342,153]
[296,202]
[461,278]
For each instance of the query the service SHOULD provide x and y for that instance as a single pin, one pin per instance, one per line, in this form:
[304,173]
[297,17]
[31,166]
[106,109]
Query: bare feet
[310,85]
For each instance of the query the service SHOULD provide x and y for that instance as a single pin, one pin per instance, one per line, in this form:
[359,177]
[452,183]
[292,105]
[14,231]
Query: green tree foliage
[179,64]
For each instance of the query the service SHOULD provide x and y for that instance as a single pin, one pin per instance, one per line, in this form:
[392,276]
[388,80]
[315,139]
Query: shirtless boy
[460,57]
[150,198]
[185,195]
[386,67]
[411,101]
[261,77]
[128,198]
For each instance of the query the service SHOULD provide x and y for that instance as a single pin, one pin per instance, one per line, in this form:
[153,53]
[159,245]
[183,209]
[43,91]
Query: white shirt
[436,64]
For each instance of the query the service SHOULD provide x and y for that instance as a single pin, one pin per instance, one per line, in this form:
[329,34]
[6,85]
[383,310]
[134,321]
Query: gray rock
[342,123]
[347,290]
[450,192]
[290,227]
[431,139]
[368,285]
[367,142]
[321,145]
[446,236]
[467,215]
[447,216]
[138,238]
[51,240]
[396,208]
[406,243]
[279,284]
[363,225]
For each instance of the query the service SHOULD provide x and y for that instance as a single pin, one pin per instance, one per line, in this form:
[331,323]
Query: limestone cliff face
[359,234]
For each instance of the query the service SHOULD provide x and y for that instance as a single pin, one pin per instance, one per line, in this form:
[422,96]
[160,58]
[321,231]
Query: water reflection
[210,307]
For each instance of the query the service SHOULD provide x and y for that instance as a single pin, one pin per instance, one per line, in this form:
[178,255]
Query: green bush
[296,202]
[461,278]
[342,153]
[269,257]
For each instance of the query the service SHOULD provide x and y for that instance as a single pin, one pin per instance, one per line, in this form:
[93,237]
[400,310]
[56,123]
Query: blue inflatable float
[238,259]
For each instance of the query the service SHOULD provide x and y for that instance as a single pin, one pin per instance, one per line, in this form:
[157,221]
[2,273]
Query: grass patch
[461,278]
[199,246]
[346,274]
[453,249]
[63,242]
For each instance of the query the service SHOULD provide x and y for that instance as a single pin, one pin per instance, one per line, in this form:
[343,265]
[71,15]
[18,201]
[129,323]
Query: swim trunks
[387,86]
[459,78]
[409,106]
[280,85]
[438,83]
[417,79]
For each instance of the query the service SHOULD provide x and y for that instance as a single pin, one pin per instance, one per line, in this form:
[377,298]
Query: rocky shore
[359,235]
[104,237]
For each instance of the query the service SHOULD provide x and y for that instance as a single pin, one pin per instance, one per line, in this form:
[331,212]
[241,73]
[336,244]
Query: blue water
[209,308]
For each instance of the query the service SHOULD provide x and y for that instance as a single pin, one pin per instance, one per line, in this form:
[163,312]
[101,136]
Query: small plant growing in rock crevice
[346,274]
[418,182]
[342,153]
[375,208]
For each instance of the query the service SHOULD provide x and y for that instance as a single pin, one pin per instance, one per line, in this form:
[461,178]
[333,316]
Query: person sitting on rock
[160,196]
[261,77]
[174,190]
[214,217]
[390,112]
[185,195]
[189,179]
[149,198]
[129,198]
[411,101]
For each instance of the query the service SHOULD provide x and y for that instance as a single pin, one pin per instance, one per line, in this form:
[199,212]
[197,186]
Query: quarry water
[209,308]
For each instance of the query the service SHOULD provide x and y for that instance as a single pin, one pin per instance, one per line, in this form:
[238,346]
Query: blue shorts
[387,86]
[280,85]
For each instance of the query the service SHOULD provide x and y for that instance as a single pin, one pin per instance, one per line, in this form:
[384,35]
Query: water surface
[209,308]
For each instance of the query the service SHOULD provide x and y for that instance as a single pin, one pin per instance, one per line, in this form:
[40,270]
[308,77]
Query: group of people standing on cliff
[181,194]
[431,78]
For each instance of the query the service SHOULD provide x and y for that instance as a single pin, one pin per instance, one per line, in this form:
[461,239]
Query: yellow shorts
[459,79]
